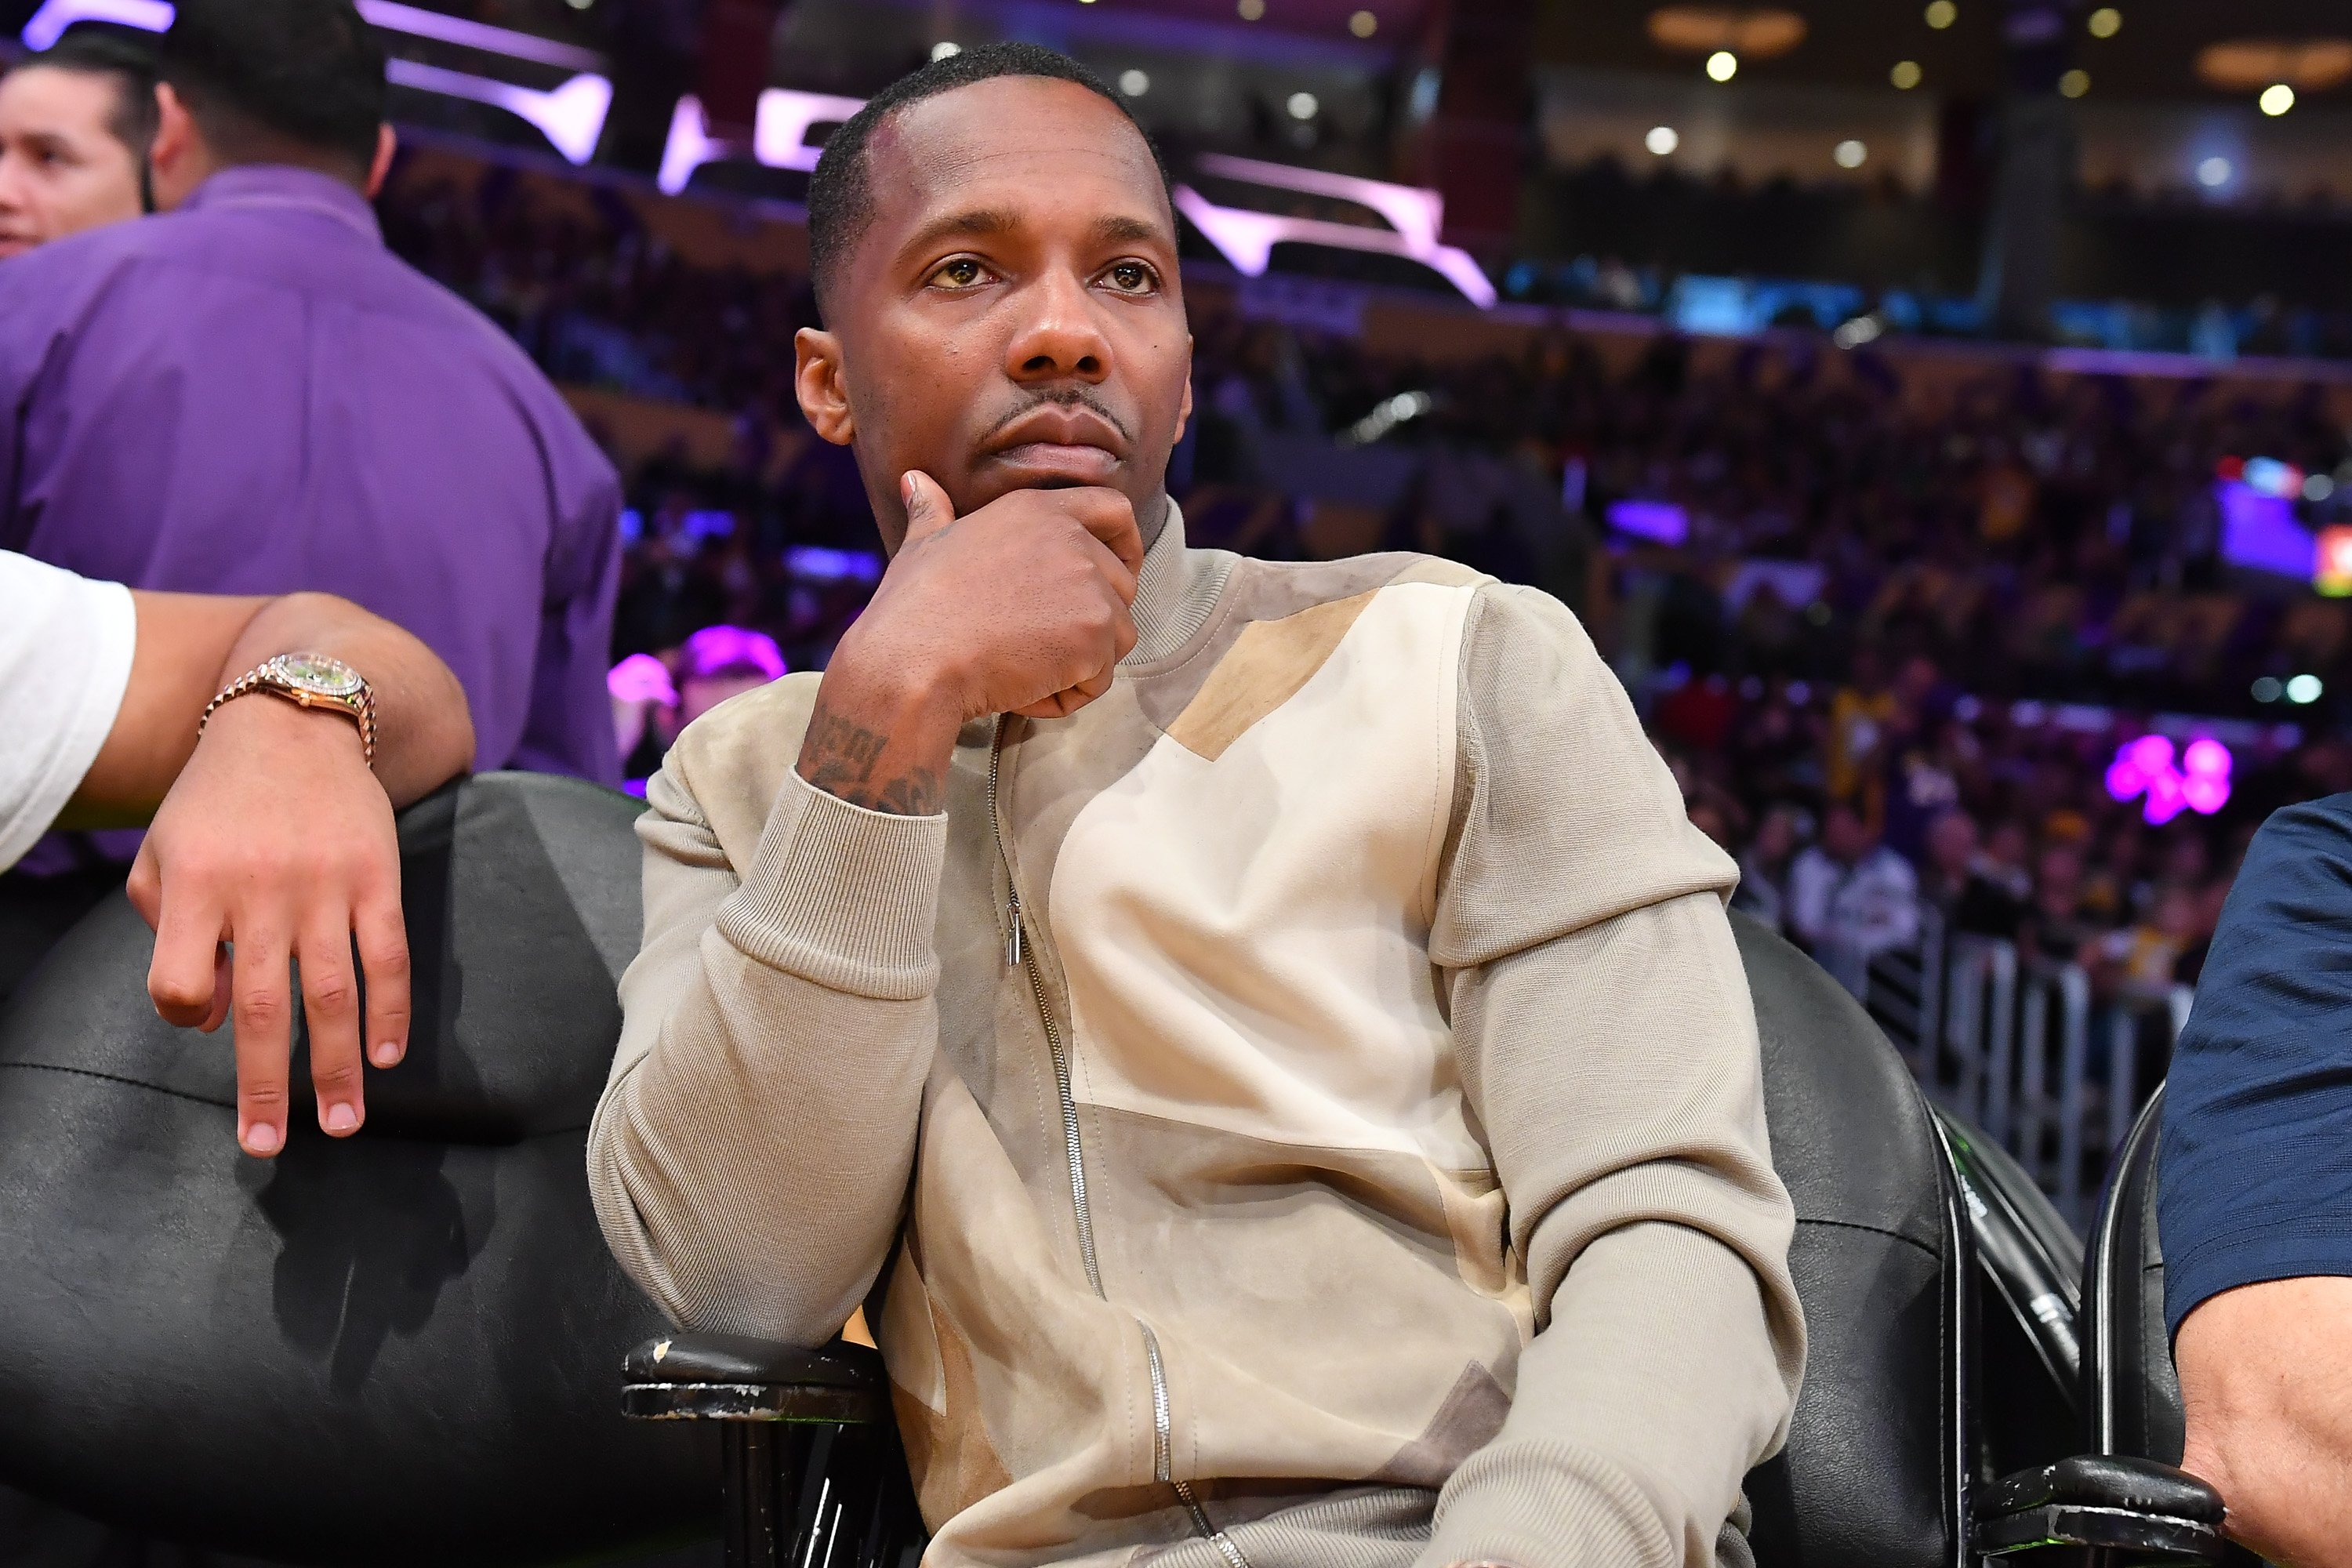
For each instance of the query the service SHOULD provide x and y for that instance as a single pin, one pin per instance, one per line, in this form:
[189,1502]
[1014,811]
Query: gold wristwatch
[309,680]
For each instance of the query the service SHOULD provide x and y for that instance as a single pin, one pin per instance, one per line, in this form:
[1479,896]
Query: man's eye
[963,273]
[1131,278]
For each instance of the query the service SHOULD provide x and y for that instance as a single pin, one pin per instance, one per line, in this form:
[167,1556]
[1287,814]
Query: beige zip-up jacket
[1308,1102]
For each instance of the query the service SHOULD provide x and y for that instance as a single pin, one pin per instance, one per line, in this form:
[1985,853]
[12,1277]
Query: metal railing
[2020,1046]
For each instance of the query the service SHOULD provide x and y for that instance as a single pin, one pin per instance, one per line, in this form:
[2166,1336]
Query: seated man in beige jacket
[1261,1042]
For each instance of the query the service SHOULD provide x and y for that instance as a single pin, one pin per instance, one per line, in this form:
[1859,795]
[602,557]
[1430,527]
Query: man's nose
[1061,339]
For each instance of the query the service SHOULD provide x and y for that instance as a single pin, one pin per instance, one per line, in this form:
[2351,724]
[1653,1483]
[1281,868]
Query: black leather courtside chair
[1880,1455]
[391,1350]
[2122,1500]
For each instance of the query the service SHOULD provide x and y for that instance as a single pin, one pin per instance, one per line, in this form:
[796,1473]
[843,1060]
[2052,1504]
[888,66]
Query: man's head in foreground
[994,256]
[75,122]
[294,82]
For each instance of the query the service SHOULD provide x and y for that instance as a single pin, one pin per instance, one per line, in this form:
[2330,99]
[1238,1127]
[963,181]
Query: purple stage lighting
[1662,522]
[2145,769]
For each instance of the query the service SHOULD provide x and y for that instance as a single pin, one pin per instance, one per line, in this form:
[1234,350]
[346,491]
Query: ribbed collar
[1175,592]
[284,186]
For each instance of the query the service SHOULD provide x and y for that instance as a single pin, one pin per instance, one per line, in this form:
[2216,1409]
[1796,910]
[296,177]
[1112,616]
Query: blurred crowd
[1857,643]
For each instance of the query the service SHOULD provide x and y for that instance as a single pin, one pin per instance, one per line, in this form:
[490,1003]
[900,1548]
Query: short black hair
[841,194]
[309,72]
[91,48]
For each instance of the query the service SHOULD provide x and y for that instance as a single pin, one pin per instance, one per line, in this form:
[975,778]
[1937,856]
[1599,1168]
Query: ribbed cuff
[843,896]
[1545,1505]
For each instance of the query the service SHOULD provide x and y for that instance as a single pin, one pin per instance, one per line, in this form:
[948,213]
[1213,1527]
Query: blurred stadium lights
[1722,66]
[2250,65]
[1942,14]
[1850,153]
[945,48]
[1862,329]
[1662,140]
[1906,74]
[2276,99]
[1385,416]
[2214,173]
[2104,22]
[1247,238]
[1710,29]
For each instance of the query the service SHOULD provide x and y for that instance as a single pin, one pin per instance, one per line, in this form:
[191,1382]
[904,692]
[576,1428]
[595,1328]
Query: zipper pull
[1012,942]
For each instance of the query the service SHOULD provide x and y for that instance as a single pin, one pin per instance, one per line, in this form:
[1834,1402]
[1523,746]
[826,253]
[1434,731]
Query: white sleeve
[65,661]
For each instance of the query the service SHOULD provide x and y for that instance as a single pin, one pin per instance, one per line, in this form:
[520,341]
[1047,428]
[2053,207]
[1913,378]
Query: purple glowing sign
[2200,781]
[779,138]
[50,23]
[1247,238]
[571,117]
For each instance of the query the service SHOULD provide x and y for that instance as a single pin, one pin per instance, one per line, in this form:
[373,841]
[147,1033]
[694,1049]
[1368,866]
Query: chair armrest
[726,1378]
[2105,1501]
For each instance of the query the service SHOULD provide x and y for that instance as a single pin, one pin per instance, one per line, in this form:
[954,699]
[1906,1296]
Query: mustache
[1064,397]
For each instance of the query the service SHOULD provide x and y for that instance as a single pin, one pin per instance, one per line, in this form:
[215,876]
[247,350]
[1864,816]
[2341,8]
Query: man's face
[61,168]
[1011,319]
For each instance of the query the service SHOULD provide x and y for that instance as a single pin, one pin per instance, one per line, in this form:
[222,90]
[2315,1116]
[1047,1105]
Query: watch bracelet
[361,712]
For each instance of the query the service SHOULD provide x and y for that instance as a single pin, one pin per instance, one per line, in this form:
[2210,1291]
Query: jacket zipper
[1019,954]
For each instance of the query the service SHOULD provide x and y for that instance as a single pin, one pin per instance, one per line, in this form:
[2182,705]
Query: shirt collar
[288,188]
[1175,592]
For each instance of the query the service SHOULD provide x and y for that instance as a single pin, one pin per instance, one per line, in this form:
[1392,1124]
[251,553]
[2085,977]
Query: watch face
[316,673]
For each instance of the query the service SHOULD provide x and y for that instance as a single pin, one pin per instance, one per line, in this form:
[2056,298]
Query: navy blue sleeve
[2254,1170]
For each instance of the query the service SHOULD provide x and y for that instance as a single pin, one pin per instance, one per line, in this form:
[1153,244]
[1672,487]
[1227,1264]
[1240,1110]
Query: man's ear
[178,157]
[1184,409]
[387,143]
[820,380]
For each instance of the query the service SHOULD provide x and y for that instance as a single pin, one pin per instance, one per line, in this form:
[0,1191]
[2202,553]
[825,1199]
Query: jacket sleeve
[750,1156]
[1609,1047]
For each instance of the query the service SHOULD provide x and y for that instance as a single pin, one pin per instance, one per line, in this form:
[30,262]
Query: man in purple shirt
[250,395]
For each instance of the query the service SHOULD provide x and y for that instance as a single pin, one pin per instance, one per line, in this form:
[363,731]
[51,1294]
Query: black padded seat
[391,1350]
[1875,1473]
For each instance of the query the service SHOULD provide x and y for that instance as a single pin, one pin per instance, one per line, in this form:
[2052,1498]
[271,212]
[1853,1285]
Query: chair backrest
[393,1349]
[2133,1393]
[1876,1472]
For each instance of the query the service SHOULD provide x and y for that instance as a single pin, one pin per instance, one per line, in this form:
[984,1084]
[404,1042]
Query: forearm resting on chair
[2266,1383]
[190,646]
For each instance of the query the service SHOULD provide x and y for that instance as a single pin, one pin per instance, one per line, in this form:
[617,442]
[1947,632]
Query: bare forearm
[424,732]
[2266,1387]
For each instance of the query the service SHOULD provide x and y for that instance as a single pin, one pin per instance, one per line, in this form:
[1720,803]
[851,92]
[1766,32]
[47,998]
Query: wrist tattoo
[843,759]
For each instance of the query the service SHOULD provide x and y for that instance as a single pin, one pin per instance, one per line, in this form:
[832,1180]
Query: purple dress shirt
[252,395]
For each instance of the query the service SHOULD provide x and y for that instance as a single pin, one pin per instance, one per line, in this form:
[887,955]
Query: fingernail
[386,1053]
[906,488]
[341,1119]
[261,1138]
